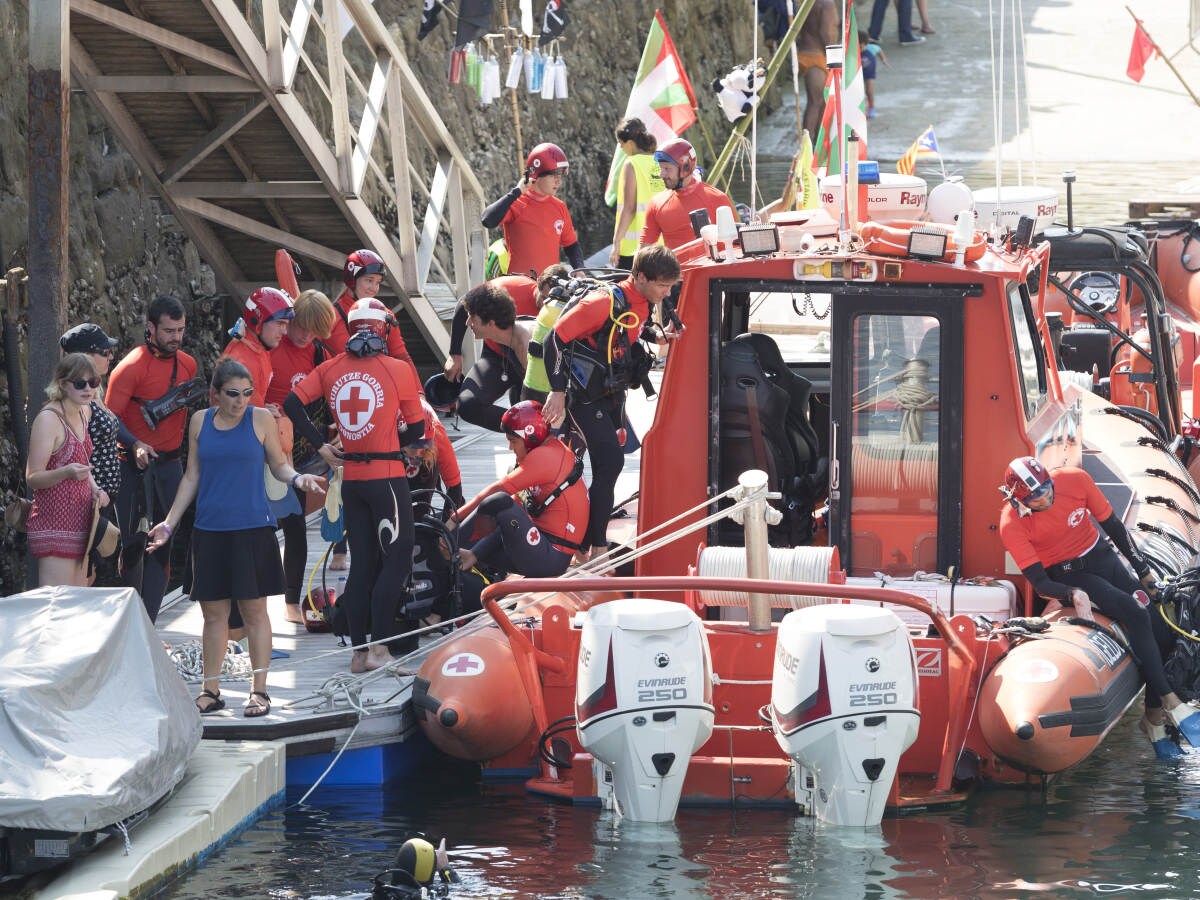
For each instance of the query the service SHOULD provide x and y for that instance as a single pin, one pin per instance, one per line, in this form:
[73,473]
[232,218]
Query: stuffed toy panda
[736,91]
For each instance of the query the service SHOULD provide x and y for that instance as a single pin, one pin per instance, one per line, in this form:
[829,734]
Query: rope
[189,662]
[802,564]
[329,767]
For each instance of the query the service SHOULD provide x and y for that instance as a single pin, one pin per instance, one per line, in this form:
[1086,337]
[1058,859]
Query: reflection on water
[1120,825]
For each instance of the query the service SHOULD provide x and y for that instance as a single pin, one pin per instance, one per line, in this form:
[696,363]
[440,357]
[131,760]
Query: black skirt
[236,565]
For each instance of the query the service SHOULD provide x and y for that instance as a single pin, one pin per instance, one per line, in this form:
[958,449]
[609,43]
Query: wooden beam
[272,41]
[459,243]
[280,190]
[337,92]
[135,142]
[206,144]
[402,183]
[261,231]
[156,34]
[293,48]
[173,84]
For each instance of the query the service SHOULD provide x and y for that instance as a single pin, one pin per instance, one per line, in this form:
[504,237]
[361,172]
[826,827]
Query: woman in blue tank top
[234,552]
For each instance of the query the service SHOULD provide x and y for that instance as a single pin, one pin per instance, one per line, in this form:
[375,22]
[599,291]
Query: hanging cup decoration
[515,66]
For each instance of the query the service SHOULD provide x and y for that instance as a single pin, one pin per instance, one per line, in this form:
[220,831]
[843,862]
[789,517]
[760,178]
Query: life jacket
[496,263]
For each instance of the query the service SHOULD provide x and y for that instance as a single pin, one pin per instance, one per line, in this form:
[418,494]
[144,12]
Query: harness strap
[536,507]
[371,457]
[756,434]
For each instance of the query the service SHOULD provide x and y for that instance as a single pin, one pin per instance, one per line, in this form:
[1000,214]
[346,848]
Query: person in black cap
[103,426]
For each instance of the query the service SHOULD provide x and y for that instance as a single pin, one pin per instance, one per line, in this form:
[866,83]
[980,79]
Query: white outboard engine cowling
[843,705]
[643,700]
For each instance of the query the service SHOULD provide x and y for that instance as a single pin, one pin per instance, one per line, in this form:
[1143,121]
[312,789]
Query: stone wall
[125,248]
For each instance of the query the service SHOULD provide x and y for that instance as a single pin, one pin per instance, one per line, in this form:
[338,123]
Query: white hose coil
[1082,380]
[808,564]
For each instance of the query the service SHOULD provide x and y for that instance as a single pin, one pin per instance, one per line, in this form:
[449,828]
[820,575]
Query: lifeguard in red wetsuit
[362,275]
[375,403]
[1047,525]
[668,212]
[536,539]
[147,373]
[535,222]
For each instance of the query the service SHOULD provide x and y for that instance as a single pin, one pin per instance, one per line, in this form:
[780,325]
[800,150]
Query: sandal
[257,707]
[217,703]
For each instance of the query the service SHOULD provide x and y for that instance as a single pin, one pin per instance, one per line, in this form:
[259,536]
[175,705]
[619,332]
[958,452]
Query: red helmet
[359,263]
[265,304]
[1024,477]
[545,159]
[369,315]
[681,153]
[525,421]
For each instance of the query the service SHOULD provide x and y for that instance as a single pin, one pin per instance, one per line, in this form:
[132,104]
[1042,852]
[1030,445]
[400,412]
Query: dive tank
[844,705]
[643,700]
[469,700]
[1049,702]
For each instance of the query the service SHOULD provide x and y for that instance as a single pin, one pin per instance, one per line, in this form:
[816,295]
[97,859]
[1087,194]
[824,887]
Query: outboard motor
[643,700]
[843,705]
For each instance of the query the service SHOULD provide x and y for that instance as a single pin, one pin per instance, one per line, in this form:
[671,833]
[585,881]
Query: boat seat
[765,425]
[1095,248]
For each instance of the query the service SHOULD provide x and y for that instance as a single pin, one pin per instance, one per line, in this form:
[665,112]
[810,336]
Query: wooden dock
[317,707]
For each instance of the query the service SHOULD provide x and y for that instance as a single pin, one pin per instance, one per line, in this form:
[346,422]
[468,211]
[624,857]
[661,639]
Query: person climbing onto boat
[1047,526]
[151,377]
[668,213]
[299,351]
[590,356]
[362,276]
[499,312]
[552,298]
[637,183]
[535,222]
[538,536]
[234,551]
[821,28]
[376,403]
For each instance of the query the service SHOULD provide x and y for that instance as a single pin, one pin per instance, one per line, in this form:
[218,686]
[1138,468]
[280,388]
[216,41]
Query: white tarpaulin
[95,723]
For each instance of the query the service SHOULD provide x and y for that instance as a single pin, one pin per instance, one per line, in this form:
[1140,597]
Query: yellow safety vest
[649,182]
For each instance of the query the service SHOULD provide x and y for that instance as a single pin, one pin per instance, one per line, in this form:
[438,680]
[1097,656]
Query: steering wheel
[1101,291]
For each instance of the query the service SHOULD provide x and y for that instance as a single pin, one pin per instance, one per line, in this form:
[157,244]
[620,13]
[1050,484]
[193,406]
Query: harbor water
[1120,825]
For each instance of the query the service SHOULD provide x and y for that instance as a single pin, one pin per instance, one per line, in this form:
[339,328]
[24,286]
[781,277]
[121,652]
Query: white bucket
[1039,203]
[895,197]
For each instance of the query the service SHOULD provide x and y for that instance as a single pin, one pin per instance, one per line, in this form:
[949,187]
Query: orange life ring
[285,273]
[891,239]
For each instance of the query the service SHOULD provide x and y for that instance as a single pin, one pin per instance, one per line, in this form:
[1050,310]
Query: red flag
[1139,53]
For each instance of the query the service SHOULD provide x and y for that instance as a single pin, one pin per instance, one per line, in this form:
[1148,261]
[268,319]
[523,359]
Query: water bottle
[339,586]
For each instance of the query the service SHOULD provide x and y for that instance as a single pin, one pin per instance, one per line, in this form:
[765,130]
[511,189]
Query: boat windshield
[798,321]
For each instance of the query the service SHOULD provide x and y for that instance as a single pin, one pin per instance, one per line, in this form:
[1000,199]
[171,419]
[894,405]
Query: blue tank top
[232,493]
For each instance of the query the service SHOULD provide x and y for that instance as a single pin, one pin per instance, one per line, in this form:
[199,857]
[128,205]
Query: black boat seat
[1095,248]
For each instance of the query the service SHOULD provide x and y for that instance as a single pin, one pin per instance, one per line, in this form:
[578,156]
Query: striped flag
[662,96]
[925,145]
[828,157]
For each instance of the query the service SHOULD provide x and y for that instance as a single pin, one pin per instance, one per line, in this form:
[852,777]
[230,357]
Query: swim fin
[1187,719]
[1164,747]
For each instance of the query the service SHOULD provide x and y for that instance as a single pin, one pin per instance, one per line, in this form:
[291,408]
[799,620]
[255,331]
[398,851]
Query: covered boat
[96,726]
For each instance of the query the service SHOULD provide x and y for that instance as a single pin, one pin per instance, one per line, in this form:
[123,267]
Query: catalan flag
[925,145]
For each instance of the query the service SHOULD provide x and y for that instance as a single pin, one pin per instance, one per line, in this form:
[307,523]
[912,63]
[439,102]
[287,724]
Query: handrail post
[753,485]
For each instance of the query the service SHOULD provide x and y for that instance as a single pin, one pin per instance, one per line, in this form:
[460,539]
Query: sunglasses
[81,383]
[233,392]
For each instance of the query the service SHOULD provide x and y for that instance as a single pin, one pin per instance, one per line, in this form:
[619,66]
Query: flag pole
[1165,58]
[791,7]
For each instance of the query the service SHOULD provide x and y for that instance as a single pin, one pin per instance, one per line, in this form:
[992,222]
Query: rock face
[125,248]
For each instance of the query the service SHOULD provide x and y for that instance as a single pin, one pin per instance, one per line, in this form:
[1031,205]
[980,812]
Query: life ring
[891,239]
[285,273]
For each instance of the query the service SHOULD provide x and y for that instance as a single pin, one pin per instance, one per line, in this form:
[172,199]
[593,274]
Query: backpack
[1183,664]
[616,362]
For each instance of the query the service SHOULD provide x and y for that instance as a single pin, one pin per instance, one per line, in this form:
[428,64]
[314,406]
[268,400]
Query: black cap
[86,338]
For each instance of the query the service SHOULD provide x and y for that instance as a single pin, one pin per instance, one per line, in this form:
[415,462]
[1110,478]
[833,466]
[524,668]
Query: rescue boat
[882,385]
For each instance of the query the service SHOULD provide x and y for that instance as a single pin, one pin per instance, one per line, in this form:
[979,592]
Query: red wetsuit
[290,364]
[535,227]
[667,213]
[367,396]
[1062,532]
[542,470]
[142,376]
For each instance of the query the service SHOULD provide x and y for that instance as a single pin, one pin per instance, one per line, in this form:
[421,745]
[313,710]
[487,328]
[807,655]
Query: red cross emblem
[463,664]
[355,402]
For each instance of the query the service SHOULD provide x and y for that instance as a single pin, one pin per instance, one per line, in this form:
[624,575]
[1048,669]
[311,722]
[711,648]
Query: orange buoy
[469,700]
[1048,702]
[891,239]
[285,273]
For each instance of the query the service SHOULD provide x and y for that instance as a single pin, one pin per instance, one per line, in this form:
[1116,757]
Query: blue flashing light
[868,172]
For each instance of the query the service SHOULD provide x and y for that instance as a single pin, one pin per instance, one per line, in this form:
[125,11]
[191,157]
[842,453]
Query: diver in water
[1047,528]
[420,870]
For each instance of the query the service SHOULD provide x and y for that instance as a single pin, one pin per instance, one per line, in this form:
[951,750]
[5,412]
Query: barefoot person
[234,551]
